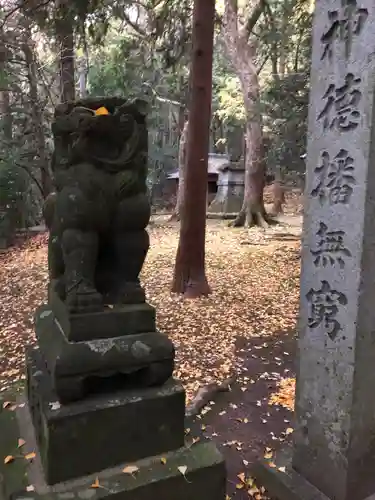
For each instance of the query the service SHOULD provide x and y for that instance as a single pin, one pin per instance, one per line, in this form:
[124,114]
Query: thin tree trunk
[37,117]
[278,195]
[5,111]
[242,52]
[253,212]
[182,156]
[65,37]
[189,273]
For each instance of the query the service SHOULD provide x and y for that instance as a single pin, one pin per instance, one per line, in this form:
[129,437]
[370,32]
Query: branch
[22,6]
[259,70]
[162,99]
[32,176]
[135,27]
[254,17]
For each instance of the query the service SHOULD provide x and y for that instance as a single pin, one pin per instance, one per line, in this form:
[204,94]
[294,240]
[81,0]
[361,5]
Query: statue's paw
[84,301]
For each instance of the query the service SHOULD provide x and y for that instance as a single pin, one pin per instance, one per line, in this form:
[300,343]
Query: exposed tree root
[195,289]
[206,394]
[253,217]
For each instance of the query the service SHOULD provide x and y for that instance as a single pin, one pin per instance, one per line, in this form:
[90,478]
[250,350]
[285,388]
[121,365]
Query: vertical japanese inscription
[324,306]
[335,179]
[341,110]
[345,24]
[330,247]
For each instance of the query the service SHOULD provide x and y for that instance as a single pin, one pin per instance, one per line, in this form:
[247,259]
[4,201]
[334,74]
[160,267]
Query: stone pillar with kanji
[333,452]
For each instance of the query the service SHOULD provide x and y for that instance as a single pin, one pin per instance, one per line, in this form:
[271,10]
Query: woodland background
[52,50]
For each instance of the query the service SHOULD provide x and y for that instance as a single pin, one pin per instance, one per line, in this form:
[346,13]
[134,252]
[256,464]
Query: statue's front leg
[79,243]
[130,244]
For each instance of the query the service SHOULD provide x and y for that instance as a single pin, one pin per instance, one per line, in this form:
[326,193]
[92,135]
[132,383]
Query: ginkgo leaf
[253,491]
[241,477]
[268,455]
[30,456]
[245,462]
[21,442]
[8,459]
[239,486]
[289,430]
[282,469]
[96,483]
[163,460]
[182,469]
[31,487]
[130,469]
[6,404]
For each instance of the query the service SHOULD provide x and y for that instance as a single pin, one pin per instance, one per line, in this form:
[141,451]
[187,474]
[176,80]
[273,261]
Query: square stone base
[155,479]
[281,481]
[101,431]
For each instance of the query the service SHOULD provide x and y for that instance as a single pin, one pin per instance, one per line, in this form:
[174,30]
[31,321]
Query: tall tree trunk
[65,37]
[189,273]
[284,38]
[278,194]
[182,156]
[241,47]
[5,111]
[37,116]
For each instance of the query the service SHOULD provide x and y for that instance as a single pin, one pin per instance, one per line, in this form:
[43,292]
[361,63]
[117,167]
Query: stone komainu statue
[99,211]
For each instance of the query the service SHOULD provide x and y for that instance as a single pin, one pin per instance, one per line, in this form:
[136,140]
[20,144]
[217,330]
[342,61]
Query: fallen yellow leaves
[11,458]
[96,483]
[248,484]
[130,469]
[255,292]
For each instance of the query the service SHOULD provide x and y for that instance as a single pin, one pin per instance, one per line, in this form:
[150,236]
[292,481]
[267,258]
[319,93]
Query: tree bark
[278,195]
[182,155]
[242,51]
[65,37]
[189,273]
[5,111]
[37,116]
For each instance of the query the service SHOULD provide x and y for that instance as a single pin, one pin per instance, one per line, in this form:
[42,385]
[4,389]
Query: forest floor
[245,329]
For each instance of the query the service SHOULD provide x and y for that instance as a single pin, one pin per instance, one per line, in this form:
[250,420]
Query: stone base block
[205,477]
[281,481]
[101,431]
[146,357]
[112,322]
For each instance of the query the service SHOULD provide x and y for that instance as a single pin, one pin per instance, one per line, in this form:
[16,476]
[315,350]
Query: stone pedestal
[95,406]
[334,446]
[132,424]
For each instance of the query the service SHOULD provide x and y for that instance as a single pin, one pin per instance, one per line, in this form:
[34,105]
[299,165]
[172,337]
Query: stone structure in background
[333,456]
[100,392]
[230,191]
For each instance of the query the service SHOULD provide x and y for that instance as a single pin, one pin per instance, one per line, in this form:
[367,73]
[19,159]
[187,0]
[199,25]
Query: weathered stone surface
[113,322]
[103,430]
[334,446]
[99,211]
[230,191]
[282,481]
[147,358]
[205,475]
